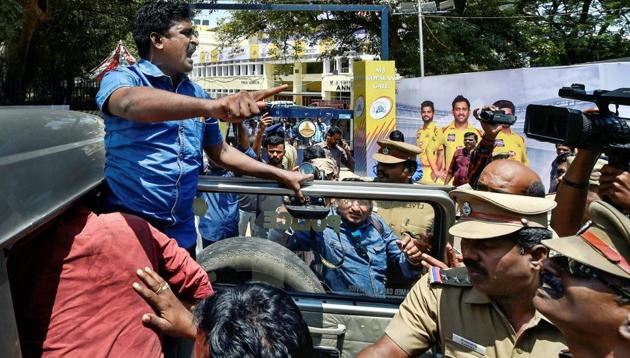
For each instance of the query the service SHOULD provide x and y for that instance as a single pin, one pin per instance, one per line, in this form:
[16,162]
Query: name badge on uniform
[469,344]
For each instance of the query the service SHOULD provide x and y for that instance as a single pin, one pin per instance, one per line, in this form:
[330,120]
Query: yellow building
[256,63]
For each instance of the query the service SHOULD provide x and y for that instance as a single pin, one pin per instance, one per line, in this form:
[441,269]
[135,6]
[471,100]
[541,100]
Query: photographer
[573,191]
[337,149]
[591,132]
[496,139]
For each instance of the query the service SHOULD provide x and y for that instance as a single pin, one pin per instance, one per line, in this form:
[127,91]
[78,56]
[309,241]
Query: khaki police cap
[485,215]
[392,152]
[605,245]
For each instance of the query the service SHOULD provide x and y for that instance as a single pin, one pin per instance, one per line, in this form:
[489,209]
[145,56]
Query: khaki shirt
[414,217]
[466,323]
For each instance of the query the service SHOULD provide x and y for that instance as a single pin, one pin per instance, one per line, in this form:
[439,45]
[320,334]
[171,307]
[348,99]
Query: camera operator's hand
[294,180]
[615,184]
[490,131]
[477,111]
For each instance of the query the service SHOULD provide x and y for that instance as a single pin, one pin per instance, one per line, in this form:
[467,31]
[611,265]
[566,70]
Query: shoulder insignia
[449,277]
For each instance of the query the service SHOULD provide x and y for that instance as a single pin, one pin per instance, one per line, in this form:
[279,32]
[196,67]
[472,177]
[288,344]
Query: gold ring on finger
[162,288]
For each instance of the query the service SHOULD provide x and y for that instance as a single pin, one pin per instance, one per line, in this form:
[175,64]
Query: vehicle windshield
[352,246]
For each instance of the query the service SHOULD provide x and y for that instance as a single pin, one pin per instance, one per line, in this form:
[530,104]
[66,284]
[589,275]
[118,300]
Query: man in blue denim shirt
[157,121]
[356,254]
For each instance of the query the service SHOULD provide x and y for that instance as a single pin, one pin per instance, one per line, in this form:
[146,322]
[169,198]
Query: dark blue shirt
[221,218]
[152,169]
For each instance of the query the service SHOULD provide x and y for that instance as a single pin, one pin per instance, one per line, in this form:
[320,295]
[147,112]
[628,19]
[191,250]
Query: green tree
[57,41]
[576,31]
[488,35]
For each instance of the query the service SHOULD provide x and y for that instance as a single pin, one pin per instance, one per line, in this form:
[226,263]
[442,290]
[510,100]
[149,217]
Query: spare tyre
[250,258]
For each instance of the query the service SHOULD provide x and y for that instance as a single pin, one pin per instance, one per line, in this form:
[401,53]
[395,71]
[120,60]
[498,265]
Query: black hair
[334,130]
[504,103]
[500,156]
[274,139]
[562,158]
[529,237]
[427,104]
[460,98]
[536,189]
[410,166]
[158,17]
[572,149]
[253,320]
[471,134]
[313,152]
[397,136]
[353,179]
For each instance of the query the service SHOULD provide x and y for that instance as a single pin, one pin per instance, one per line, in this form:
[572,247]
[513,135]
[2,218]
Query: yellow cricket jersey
[424,137]
[453,139]
[514,145]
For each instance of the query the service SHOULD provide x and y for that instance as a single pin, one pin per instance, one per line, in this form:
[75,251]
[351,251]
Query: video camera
[496,117]
[314,207]
[601,131]
[308,168]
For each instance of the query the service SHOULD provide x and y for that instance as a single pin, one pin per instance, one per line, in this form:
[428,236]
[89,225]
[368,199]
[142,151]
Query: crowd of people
[533,276]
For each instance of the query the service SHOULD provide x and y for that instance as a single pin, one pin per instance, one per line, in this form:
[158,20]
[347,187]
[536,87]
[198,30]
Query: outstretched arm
[571,195]
[232,159]
[146,104]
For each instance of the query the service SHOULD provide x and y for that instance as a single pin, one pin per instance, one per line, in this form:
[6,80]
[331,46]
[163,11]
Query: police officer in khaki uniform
[396,164]
[484,309]
[586,286]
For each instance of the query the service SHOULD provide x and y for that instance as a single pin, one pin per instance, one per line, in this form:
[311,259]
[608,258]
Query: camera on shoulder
[601,130]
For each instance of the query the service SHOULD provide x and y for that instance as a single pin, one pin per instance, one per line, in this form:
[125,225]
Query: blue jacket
[362,255]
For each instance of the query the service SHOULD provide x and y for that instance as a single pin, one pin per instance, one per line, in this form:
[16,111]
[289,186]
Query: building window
[205,22]
[345,65]
[314,67]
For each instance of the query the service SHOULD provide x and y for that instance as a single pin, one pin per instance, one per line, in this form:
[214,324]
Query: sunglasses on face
[349,202]
[579,270]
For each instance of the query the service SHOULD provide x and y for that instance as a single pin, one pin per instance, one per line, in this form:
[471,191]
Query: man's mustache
[191,49]
[474,265]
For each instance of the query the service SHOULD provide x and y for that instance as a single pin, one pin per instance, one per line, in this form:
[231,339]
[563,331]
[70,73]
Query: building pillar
[338,64]
[297,83]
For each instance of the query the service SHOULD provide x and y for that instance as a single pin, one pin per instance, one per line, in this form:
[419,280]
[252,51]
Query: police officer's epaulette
[449,277]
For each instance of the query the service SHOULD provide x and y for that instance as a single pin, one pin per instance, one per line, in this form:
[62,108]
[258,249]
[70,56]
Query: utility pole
[420,39]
